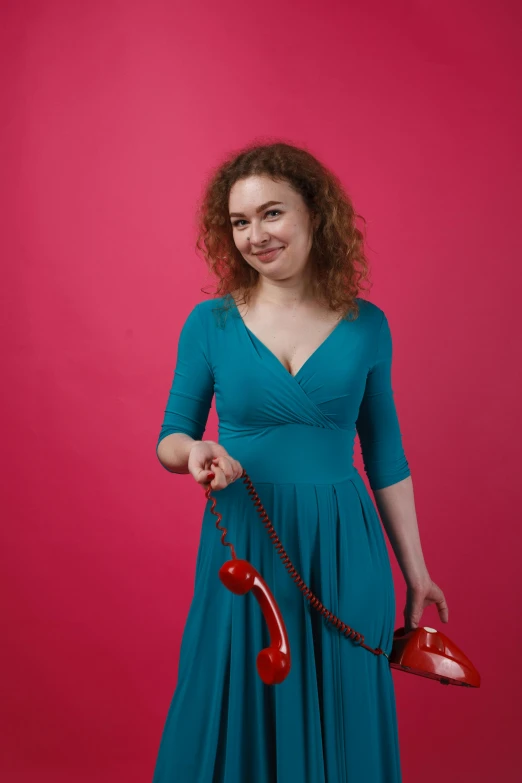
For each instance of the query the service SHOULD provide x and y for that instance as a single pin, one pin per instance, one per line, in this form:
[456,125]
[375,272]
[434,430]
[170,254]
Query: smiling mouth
[269,254]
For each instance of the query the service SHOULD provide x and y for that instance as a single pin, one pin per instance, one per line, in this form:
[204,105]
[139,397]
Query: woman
[299,364]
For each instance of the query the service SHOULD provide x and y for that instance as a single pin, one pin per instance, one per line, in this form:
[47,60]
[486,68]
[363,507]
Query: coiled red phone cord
[345,629]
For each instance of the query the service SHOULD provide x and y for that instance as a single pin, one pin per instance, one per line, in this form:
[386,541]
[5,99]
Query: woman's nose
[257,235]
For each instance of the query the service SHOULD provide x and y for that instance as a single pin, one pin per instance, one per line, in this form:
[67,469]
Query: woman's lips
[270,255]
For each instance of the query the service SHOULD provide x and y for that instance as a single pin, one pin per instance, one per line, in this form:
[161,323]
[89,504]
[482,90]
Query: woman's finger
[221,476]
[442,606]
[230,467]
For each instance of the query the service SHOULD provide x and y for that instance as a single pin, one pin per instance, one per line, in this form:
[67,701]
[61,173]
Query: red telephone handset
[240,576]
[273,662]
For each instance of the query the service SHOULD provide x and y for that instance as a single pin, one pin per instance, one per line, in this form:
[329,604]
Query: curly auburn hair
[339,265]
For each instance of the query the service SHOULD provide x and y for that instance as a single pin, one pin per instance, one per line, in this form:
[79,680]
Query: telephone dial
[423,651]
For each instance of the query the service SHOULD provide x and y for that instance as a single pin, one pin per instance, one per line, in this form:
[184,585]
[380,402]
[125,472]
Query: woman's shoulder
[212,302]
[215,310]
[369,307]
[205,306]
[370,312]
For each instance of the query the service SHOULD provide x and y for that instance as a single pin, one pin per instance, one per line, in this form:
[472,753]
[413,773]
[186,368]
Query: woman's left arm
[396,507]
[397,511]
[390,480]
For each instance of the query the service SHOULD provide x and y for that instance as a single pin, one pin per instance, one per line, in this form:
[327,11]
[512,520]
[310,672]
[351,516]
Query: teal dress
[333,719]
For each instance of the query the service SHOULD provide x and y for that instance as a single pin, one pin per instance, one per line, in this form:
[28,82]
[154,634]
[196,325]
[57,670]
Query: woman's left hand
[418,597]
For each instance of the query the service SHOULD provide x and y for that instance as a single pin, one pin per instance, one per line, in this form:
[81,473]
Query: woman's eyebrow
[259,209]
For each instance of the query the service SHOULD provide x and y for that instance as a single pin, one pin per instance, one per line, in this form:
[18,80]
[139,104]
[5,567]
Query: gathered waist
[293,453]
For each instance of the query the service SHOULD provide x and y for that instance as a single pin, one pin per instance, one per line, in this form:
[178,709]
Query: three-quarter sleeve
[377,422]
[190,396]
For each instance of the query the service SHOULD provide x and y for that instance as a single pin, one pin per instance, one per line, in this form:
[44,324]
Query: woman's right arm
[187,410]
[190,397]
[174,450]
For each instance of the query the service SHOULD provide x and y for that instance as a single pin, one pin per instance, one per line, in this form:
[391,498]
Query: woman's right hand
[206,458]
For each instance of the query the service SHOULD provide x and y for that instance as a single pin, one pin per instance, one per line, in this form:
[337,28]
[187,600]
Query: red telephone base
[429,653]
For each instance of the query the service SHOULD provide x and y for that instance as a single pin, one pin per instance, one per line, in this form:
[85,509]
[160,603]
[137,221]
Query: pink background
[113,113]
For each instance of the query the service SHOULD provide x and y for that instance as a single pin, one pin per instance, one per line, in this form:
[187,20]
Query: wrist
[415,581]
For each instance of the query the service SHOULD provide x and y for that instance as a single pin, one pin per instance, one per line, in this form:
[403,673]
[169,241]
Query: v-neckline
[280,363]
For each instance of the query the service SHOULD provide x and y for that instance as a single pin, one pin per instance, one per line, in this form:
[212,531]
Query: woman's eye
[270,212]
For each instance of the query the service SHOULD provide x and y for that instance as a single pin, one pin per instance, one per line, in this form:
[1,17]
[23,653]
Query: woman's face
[265,215]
